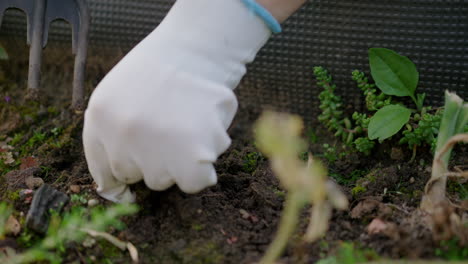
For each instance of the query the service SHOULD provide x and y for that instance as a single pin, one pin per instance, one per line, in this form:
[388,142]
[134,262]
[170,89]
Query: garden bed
[236,220]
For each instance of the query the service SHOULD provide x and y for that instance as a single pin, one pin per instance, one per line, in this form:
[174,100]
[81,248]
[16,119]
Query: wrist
[281,9]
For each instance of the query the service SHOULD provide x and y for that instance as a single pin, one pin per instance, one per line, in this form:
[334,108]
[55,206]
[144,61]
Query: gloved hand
[162,112]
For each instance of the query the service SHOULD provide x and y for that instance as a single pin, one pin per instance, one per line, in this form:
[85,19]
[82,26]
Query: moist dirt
[235,220]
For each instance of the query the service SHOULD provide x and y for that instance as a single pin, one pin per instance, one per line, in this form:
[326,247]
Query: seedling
[394,75]
[453,122]
[73,227]
[277,136]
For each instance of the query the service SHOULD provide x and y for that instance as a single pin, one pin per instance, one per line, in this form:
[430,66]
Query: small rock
[363,208]
[178,246]
[93,202]
[411,180]
[376,226]
[12,226]
[16,179]
[397,154]
[89,242]
[75,188]
[7,158]
[244,213]
[34,182]
[232,240]
[26,193]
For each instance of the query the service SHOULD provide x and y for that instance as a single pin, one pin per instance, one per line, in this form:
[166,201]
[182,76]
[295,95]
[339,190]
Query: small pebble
[411,180]
[34,182]
[244,213]
[89,242]
[397,154]
[93,202]
[25,193]
[75,188]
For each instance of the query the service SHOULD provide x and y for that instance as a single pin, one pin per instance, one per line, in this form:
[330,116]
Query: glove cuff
[211,39]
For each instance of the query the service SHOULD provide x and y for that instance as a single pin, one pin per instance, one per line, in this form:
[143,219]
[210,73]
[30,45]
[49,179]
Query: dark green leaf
[393,74]
[388,121]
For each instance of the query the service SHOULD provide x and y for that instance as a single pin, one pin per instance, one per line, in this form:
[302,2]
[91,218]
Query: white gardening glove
[162,113]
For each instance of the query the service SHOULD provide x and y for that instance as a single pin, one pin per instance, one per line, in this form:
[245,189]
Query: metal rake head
[40,14]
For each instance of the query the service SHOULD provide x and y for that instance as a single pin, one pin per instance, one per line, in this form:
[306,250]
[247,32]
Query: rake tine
[40,14]
[35,53]
[76,13]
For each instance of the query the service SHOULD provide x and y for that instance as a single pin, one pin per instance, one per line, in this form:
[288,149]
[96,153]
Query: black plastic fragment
[46,200]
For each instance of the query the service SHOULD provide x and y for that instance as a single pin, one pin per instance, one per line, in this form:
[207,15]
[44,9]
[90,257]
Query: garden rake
[40,14]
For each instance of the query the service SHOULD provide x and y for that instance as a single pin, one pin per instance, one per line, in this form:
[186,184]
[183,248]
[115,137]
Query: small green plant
[331,105]
[78,199]
[74,226]
[424,132]
[277,136]
[36,139]
[16,139]
[373,101]
[331,154]
[394,76]
[352,134]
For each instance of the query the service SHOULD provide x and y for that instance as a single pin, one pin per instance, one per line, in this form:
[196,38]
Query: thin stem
[413,157]
[288,223]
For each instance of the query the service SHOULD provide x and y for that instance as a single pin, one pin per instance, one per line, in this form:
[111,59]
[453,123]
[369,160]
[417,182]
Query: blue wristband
[260,11]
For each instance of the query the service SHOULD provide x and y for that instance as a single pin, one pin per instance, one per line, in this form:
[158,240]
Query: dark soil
[234,221]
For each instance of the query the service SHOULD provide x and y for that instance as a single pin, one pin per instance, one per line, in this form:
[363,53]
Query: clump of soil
[234,221]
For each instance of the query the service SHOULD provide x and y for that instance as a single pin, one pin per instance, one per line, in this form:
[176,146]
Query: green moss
[16,139]
[251,161]
[460,189]
[352,178]
[201,253]
[358,190]
[12,195]
[349,253]
[109,250]
[197,227]
[452,250]
[279,192]
[27,238]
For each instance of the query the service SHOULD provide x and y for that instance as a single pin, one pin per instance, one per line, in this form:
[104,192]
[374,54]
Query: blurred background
[328,33]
